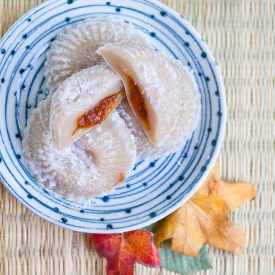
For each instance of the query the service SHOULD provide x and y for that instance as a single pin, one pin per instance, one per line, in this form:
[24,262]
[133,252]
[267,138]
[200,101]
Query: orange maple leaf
[122,250]
[203,219]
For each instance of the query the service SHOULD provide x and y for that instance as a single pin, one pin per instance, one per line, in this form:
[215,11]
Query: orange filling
[138,103]
[121,177]
[100,112]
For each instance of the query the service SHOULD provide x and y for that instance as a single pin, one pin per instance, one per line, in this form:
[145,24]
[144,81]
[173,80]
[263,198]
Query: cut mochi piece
[189,117]
[97,163]
[82,101]
[152,87]
[75,46]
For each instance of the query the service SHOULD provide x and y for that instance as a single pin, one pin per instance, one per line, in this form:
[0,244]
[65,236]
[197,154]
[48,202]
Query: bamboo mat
[240,33]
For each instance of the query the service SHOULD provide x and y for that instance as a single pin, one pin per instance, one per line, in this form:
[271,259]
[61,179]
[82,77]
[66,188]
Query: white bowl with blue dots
[154,189]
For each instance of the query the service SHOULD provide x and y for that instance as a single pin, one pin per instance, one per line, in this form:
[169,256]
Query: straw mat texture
[241,35]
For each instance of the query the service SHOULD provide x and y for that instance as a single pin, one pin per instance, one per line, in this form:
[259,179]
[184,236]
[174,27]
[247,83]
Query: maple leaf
[177,262]
[203,219]
[122,250]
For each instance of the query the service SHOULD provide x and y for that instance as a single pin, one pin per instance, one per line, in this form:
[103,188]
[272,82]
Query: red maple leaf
[124,249]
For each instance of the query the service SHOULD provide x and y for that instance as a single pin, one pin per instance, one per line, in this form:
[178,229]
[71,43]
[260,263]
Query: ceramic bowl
[154,189]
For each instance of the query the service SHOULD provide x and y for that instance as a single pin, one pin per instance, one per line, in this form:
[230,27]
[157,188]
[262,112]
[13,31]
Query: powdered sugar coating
[97,163]
[156,77]
[186,124]
[75,47]
[75,96]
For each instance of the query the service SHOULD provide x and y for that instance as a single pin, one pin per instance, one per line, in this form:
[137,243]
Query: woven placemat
[240,33]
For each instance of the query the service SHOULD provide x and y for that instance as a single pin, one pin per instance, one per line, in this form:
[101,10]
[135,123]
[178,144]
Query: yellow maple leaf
[203,219]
